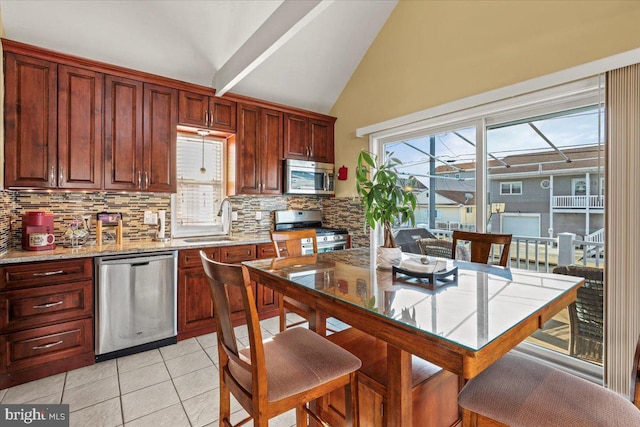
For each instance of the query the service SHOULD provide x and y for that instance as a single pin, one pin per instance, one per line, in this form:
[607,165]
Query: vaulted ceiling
[298,53]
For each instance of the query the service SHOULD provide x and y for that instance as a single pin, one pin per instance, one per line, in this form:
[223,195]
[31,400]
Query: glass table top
[483,303]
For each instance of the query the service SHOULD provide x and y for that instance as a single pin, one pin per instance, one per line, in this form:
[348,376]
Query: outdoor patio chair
[586,314]
[517,391]
[441,248]
[435,247]
[481,244]
[286,371]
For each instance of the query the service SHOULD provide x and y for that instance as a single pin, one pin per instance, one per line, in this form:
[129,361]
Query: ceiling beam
[289,18]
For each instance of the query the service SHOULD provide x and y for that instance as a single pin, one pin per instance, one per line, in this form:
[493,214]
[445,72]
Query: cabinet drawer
[235,254]
[26,308]
[45,273]
[33,347]
[265,250]
[191,257]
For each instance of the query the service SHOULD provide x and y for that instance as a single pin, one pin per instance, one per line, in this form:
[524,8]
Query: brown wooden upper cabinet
[140,136]
[259,150]
[208,112]
[53,122]
[308,138]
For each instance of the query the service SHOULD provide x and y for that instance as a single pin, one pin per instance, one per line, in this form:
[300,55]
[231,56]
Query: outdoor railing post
[566,249]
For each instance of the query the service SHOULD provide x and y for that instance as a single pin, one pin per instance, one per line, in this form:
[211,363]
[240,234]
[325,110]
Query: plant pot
[388,257]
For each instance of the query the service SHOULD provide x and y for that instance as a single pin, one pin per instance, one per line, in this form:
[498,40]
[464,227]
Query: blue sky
[570,130]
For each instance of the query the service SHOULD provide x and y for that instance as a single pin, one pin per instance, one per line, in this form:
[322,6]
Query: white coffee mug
[41,239]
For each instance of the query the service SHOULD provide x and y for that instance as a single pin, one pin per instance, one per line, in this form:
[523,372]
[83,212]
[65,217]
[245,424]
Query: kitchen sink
[209,239]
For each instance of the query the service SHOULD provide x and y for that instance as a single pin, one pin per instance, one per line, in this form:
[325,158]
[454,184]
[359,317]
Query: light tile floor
[172,386]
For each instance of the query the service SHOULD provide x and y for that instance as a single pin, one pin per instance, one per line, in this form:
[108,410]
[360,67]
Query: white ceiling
[191,40]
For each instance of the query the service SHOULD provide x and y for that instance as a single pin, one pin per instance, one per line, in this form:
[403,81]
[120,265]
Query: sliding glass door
[532,167]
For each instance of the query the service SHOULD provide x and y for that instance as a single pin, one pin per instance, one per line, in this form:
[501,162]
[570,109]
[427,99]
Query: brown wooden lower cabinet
[195,308]
[46,319]
[26,308]
[435,391]
[40,352]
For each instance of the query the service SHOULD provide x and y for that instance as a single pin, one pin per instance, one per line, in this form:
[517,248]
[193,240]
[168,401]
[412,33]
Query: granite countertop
[127,247]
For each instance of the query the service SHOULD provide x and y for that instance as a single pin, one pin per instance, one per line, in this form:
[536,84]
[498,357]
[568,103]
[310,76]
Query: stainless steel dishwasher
[135,303]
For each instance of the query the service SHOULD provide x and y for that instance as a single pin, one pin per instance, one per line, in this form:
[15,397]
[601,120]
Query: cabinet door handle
[146,180]
[206,118]
[61,176]
[210,118]
[53,344]
[49,273]
[139,179]
[47,305]
[52,176]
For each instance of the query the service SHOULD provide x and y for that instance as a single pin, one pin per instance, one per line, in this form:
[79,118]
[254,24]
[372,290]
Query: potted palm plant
[387,199]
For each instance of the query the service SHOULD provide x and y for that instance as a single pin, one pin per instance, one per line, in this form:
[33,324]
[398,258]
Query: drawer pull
[49,273]
[53,344]
[47,305]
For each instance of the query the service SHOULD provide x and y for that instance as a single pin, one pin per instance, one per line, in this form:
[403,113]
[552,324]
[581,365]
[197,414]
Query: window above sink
[201,181]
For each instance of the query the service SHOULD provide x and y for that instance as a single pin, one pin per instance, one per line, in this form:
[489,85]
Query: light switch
[234,215]
[258,215]
[150,218]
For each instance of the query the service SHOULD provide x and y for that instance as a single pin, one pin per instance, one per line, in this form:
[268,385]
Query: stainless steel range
[329,239]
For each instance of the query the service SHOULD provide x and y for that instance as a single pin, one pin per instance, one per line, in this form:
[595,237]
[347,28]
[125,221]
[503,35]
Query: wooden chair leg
[351,402]
[225,404]
[282,312]
[301,417]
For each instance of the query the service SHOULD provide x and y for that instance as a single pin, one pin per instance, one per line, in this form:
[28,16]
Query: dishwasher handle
[140,264]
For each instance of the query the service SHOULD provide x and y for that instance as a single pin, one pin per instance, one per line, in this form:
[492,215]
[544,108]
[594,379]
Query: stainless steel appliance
[305,177]
[329,239]
[135,303]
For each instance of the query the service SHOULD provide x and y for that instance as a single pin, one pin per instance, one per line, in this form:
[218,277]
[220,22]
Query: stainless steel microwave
[305,177]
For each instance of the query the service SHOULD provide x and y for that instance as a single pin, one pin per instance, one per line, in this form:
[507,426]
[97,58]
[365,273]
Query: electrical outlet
[258,216]
[234,215]
[150,218]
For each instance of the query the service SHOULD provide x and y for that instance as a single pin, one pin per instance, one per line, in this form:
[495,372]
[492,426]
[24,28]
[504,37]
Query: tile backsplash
[337,212]
[67,205]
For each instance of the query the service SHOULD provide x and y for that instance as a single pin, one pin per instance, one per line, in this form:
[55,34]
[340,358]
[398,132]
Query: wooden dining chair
[285,372]
[481,244]
[517,391]
[289,244]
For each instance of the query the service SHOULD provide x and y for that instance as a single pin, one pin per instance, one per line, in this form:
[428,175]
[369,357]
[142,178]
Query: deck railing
[544,253]
[578,202]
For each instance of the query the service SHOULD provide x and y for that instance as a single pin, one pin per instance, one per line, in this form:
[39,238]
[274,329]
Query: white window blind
[199,193]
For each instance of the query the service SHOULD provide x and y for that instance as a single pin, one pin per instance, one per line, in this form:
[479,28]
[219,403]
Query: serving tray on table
[432,275]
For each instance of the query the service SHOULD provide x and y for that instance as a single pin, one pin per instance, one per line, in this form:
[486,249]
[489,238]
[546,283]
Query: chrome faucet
[225,212]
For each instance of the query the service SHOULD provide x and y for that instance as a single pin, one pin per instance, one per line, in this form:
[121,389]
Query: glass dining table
[463,322]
